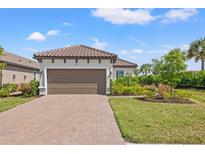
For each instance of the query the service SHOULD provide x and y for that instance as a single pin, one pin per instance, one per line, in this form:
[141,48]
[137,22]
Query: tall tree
[145,69]
[197,51]
[173,64]
[2,65]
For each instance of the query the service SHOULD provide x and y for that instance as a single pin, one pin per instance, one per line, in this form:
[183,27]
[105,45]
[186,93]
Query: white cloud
[138,41]
[125,16]
[127,52]
[30,49]
[124,52]
[169,46]
[132,57]
[67,24]
[53,32]
[137,50]
[178,15]
[130,52]
[184,46]
[166,46]
[98,44]
[36,36]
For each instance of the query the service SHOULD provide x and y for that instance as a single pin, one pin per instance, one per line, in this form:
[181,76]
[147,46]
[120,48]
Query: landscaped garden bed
[162,100]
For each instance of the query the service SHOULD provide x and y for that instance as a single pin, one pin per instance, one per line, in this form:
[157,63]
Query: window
[64,60]
[52,60]
[88,61]
[76,61]
[24,78]
[111,61]
[99,61]
[119,73]
[14,77]
[40,60]
[34,75]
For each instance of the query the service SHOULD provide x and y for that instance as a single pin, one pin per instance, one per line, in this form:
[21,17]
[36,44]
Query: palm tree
[145,69]
[197,51]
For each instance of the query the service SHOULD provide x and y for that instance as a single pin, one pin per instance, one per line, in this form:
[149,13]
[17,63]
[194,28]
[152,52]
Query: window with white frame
[120,73]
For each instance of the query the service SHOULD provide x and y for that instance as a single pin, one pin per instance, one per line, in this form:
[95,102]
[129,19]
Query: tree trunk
[172,92]
[202,64]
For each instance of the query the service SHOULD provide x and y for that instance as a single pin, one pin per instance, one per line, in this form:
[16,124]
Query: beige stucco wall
[128,71]
[19,72]
[71,64]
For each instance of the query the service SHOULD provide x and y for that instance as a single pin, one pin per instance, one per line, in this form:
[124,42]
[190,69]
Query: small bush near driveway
[7,89]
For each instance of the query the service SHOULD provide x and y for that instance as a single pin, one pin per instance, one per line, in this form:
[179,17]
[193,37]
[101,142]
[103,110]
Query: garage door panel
[76,81]
[73,88]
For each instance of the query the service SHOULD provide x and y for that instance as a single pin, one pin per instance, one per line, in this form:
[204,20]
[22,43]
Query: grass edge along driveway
[145,122]
[11,102]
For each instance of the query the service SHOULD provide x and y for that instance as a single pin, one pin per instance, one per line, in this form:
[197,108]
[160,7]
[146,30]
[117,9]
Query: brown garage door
[76,81]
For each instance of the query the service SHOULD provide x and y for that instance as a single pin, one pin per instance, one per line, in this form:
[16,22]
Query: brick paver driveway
[61,119]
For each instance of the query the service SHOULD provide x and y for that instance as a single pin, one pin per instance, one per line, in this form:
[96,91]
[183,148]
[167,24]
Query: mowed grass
[11,102]
[145,122]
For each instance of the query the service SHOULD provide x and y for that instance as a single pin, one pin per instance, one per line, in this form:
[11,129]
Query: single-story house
[80,69]
[18,69]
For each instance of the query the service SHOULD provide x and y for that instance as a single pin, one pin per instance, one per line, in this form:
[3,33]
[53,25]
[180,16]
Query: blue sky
[137,35]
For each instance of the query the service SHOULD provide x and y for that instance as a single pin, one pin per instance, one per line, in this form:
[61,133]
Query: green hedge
[192,79]
[188,79]
[149,79]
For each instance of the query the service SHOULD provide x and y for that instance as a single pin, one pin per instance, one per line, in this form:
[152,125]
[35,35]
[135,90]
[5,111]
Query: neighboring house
[18,69]
[80,70]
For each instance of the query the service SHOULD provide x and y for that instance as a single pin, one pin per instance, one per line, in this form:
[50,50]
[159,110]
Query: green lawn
[143,122]
[11,102]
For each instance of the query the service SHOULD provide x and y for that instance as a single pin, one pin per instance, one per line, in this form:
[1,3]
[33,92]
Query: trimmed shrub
[148,93]
[34,87]
[127,81]
[183,93]
[7,89]
[30,89]
[122,87]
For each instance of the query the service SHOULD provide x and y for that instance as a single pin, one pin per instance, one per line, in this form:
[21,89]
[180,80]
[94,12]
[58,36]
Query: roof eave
[133,66]
[20,65]
[73,57]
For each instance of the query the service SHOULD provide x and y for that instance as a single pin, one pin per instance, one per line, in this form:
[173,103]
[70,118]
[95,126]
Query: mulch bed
[168,101]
